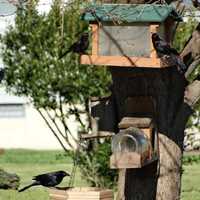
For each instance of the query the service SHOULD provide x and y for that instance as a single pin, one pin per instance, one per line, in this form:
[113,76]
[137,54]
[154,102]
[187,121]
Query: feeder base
[130,160]
[81,193]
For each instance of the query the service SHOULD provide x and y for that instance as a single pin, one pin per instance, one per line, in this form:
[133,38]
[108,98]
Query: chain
[75,165]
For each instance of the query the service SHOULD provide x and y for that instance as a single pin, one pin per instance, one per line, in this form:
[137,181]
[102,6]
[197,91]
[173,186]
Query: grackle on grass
[47,180]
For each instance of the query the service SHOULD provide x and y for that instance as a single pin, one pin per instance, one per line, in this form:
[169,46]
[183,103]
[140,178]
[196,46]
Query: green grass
[191,182]
[27,163]
[21,156]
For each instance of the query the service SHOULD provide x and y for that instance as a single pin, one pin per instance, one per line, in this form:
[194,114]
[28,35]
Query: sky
[7,14]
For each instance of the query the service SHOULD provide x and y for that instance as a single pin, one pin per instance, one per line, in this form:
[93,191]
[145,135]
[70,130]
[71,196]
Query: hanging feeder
[121,33]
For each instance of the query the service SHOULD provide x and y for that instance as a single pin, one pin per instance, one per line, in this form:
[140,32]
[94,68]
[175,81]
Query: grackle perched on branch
[48,180]
[163,48]
[78,47]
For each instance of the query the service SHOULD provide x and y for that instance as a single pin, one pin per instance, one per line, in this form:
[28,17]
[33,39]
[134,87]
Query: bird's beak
[68,174]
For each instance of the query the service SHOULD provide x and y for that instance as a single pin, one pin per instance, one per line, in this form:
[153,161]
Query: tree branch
[64,122]
[77,115]
[48,124]
[192,66]
[192,93]
[191,97]
[54,122]
[192,46]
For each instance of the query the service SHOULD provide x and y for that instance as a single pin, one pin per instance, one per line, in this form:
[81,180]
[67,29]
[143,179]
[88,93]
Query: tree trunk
[161,180]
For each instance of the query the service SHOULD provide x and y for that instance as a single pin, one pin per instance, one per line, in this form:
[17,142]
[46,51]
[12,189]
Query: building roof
[130,13]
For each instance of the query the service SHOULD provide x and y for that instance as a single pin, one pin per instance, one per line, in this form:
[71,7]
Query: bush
[189,160]
[8,181]
[94,165]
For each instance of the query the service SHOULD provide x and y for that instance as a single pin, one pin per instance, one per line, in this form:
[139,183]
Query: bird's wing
[174,51]
[182,68]
[169,48]
[165,48]
[48,179]
[41,177]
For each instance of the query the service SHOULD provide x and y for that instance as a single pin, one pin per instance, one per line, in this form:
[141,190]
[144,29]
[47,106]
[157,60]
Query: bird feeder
[121,33]
[134,147]
[82,193]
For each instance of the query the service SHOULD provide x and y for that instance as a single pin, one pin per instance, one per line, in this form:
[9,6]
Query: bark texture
[166,87]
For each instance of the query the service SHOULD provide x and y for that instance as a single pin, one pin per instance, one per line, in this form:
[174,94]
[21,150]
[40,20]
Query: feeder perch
[99,134]
[121,33]
[132,148]
[81,194]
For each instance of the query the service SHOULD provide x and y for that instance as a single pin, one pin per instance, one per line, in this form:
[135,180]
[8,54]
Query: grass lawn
[191,182]
[28,163]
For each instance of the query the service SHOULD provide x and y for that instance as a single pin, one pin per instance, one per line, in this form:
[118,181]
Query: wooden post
[121,184]
[95,39]
[153,29]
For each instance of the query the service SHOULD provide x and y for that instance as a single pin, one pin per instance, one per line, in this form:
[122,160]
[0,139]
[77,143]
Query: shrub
[94,165]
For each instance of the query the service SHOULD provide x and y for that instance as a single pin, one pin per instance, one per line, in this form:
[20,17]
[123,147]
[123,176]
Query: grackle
[48,180]
[79,46]
[163,48]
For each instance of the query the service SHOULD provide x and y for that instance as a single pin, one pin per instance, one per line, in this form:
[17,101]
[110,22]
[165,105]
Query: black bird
[79,46]
[163,48]
[47,180]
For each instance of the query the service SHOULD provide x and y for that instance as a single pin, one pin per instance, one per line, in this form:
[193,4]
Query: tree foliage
[56,87]
[183,33]
[95,166]
[31,51]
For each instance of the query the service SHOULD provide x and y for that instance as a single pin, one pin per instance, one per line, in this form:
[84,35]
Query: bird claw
[63,188]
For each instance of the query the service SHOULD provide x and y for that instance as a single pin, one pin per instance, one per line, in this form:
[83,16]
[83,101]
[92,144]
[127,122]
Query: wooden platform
[122,61]
[81,193]
[139,122]
[130,160]
[100,134]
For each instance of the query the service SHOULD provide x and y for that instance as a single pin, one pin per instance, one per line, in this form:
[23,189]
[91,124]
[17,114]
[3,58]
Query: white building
[21,126]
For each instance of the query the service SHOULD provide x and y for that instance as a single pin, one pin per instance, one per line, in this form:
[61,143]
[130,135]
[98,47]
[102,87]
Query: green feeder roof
[130,13]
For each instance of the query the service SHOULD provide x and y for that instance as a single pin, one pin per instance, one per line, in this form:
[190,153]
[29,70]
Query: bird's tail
[180,64]
[28,186]
[65,53]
